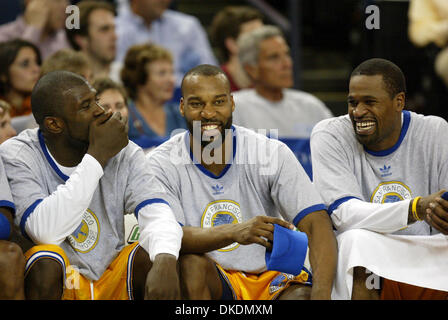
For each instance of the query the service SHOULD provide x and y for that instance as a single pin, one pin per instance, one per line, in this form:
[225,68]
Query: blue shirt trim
[338,202]
[8,204]
[49,159]
[205,171]
[404,130]
[26,214]
[147,202]
[307,211]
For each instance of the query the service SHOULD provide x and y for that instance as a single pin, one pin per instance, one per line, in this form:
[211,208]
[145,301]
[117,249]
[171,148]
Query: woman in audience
[6,130]
[111,95]
[19,70]
[148,76]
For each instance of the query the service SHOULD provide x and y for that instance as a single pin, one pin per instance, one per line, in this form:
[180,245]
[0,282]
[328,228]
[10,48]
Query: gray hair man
[265,56]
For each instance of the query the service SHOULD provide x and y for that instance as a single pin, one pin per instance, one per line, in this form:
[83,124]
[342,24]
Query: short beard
[204,143]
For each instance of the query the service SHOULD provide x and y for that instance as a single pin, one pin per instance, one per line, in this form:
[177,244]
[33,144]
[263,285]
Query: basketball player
[381,168]
[12,261]
[228,186]
[73,179]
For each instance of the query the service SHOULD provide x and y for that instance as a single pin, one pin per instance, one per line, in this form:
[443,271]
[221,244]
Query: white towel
[417,260]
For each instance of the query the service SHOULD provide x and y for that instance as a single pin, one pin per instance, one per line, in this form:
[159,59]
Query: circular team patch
[391,191]
[86,235]
[222,212]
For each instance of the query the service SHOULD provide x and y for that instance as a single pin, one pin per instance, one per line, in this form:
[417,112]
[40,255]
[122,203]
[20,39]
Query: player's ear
[233,102]
[54,125]
[400,101]
[181,106]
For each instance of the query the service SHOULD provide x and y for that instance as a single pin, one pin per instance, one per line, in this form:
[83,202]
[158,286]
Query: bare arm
[256,230]
[323,252]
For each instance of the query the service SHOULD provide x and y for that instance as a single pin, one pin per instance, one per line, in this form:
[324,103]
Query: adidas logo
[385,171]
[217,189]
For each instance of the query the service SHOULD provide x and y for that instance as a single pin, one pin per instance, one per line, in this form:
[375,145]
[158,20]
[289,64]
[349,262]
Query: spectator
[19,70]
[381,170]
[68,60]
[148,77]
[111,95]
[6,129]
[265,57]
[42,23]
[96,37]
[226,27]
[428,25]
[144,21]
[73,180]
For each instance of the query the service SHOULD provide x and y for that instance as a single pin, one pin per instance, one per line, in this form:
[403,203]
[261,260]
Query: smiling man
[73,179]
[381,170]
[228,187]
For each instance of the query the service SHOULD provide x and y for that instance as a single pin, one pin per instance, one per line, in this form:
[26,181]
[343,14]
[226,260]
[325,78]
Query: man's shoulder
[173,147]
[335,125]
[244,93]
[21,145]
[303,98]
[247,98]
[179,17]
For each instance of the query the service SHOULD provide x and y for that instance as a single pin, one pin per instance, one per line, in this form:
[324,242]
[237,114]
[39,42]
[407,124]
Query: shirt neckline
[404,130]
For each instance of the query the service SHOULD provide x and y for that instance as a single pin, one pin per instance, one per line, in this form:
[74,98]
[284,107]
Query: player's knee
[12,266]
[44,280]
[194,264]
[296,292]
[11,256]
[194,269]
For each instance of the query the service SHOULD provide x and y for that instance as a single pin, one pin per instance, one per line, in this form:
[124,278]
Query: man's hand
[258,230]
[108,136]
[162,282]
[37,13]
[434,210]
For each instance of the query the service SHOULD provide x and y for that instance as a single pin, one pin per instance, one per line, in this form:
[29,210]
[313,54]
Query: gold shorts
[264,286]
[114,284]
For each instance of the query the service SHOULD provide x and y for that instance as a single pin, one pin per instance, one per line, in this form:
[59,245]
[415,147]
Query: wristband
[5,228]
[414,209]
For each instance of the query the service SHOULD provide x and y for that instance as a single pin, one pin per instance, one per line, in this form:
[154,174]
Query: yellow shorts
[264,286]
[114,284]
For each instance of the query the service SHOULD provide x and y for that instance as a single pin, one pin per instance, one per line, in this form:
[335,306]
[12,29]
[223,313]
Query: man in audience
[271,104]
[151,21]
[73,179]
[42,23]
[381,171]
[229,195]
[226,27]
[96,37]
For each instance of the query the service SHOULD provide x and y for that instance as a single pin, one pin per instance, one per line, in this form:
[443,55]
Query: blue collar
[198,163]
[49,159]
[404,130]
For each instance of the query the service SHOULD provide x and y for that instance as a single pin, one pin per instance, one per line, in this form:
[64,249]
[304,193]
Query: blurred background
[327,39]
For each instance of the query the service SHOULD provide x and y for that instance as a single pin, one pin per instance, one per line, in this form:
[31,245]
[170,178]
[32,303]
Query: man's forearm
[202,240]
[323,253]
